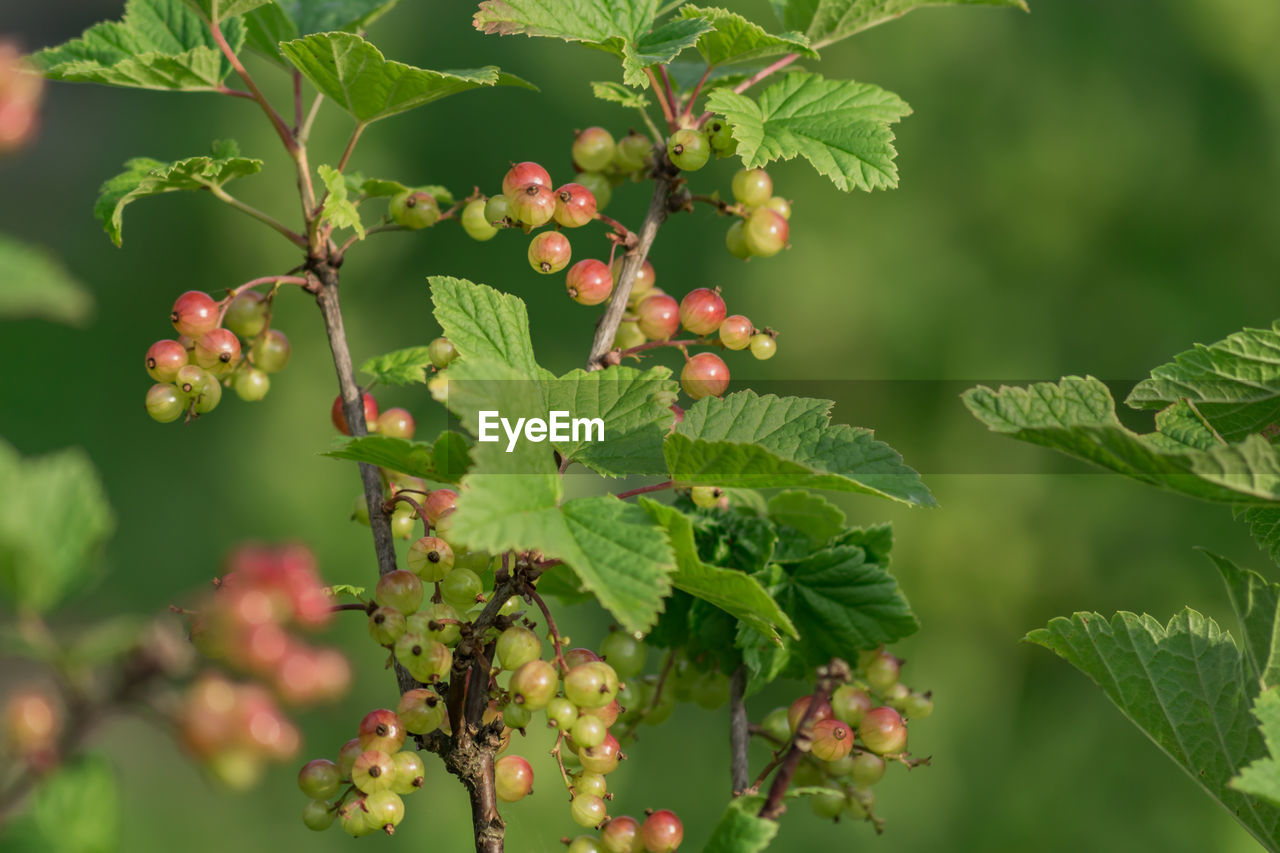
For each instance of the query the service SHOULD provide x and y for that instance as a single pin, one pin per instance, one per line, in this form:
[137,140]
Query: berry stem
[754,79]
[739,735]
[720,204]
[234,93]
[643,490]
[257,282]
[697,90]
[351,146]
[292,236]
[552,632]
[555,750]
[667,665]
[290,144]
[418,509]
[667,112]
[623,231]
[648,345]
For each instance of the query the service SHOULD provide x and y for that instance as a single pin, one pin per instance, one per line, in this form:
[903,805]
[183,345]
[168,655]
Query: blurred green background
[1085,189]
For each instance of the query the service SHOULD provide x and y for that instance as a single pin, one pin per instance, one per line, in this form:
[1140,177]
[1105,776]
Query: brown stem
[486,823]
[278,123]
[642,490]
[552,631]
[739,736]
[648,345]
[668,111]
[829,677]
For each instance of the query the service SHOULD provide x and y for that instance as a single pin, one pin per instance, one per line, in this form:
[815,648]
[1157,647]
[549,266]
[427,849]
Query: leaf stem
[234,93]
[754,79]
[282,130]
[552,631]
[644,490]
[351,146]
[693,95]
[292,236]
[667,109]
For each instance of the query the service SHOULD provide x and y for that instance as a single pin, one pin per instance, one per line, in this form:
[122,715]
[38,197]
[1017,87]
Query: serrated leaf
[840,126]
[829,21]
[1183,685]
[223,9]
[338,590]
[1077,417]
[635,409]
[357,77]
[1264,526]
[484,323]
[338,211]
[735,39]
[37,284]
[54,519]
[157,44]
[814,518]
[741,829]
[451,454]
[876,541]
[415,458]
[286,20]
[74,810]
[765,659]
[620,94]
[402,367]
[1262,778]
[660,47]
[735,592]
[743,541]
[1256,603]
[146,177]
[747,440]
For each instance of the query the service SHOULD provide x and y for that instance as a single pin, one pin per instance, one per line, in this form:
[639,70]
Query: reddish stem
[754,79]
[667,112]
[551,626]
[644,490]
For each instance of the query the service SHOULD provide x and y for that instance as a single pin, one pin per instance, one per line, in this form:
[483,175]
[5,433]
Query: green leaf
[36,284]
[357,77]
[828,21]
[224,9]
[735,592]
[402,367]
[660,47]
[484,323]
[146,177]
[841,127]
[75,810]
[814,519]
[734,39]
[1256,603]
[1264,526]
[157,44]
[341,589]
[765,659]
[1234,383]
[745,542]
[635,408]
[54,519]
[876,541]
[1261,779]
[338,210]
[1077,417]
[620,94]
[451,453]
[415,458]
[286,20]
[844,603]
[1183,685]
[741,829]
[747,440]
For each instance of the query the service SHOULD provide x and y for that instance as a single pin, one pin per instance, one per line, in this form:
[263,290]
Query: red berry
[882,731]
[736,331]
[832,740]
[662,832]
[621,835]
[217,350]
[396,422]
[644,279]
[513,778]
[602,759]
[658,317]
[382,730]
[532,205]
[701,311]
[766,232]
[165,358]
[438,503]
[525,173]
[577,657]
[549,252]
[608,714]
[593,149]
[194,313]
[589,282]
[575,205]
[340,419]
[704,375]
[797,710]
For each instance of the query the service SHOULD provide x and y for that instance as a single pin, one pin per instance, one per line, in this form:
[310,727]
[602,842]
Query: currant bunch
[227,343]
[762,230]
[234,729]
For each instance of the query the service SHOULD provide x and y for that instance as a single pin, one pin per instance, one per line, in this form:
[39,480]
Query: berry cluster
[20,92]
[763,229]
[208,354]
[234,729]
[851,738]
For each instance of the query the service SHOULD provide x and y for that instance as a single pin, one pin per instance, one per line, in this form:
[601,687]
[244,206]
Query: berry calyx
[476,222]
[251,384]
[441,351]
[517,646]
[661,832]
[702,310]
[512,778]
[589,282]
[766,232]
[832,740]
[373,770]
[165,358]
[752,187]
[522,174]
[632,152]
[735,332]
[588,810]
[414,210]
[396,422]
[339,418]
[270,353]
[593,149]
[882,731]
[165,404]
[721,137]
[534,684]
[381,730]
[575,206]
[247,314]
[704,375]
[688,149]
[320,779]
[430,558]
[217,350]
[763,346]
[532,205]
[549,252]
[194,313]
[658,317]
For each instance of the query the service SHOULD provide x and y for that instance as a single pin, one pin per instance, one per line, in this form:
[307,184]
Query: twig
[552,632]
[282,130]
[648,345]
[739,736]
[291,236]
[829,677]
[643,490]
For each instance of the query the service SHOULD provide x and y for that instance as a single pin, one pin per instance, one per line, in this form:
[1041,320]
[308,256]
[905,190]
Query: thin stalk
[754,79]
[282,130]
[292,236]
[667,109]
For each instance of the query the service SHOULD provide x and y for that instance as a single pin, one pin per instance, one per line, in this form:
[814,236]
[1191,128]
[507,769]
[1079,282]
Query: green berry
[403,523]
[165,403]
[372,771]
[270,353]
[401,590]
[415,210]
[711,690]
[766,232]
[632,153]
[629,335]
[347,756]
[516,716]
[352,815]
[780,206]
[588,844]
[421,710]
[534,685]
[591,685]
[251,384]
[475,221]
[735,240]
[587,782]
[706,497]
[386,626]
[430,558]
[517,646]
[735,332]
[442,352]
[316,815]
[624,653]
[721,136]
[496,210]
[828,804]
[867,769]
[383,730]
[210,395]
[882,731]
[849,703]
[410,772]
[384,810]
[247,314]
[599,186]
[882,671]
[589,731]
[427,660]
[752,187]
[561,714]
[588,810]
[621,835]
[918,705]
[320,779]
[461,588]
[688,150]
[763,346]
[593,149]
[532,205]
[775,725]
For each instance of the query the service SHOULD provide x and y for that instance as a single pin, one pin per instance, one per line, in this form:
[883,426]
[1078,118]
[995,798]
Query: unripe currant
[918,705]
[512,778]
[798,709]
[396,423]
[516,716]
[832,740]
[578,656]
[421,710]
[403,523]
[165,403]
[427,660]
[867,769]
[414,210]
[702,310]
[532,205]
[688,150]
[373,770]
[320,779]
[621,835]
[410,772]
[765,232]
[210,395]
[217,350]
[720,136]
[735,332]
[632,152]
[780,206]
[247,314]
[549,252]
[386,625]
[194,313]
[763,346]
[190,381]
[661,832]
[165,358]
[444,616]
[896,696]
[384,810]
[624,653]
[882,731]
[522,174]
[442,352]
[704,375]
[401,590]
[735,240]
[585,844]
[316,815]
[882,671]
[462,588]
[593,149]
[776,725]
[270,353]
[849,703]
[752,187]
[534,684]
[339,417]
[251,384]
[588,810]
[591,685]
[430,558]
[517,646]
[589,731]
[561,714]
[828,804]
[352,816]
[629,335]
[598,185]
[643,282]
[382,730]
[658,317]
[575,206]
[476,222]
[589,282]
[496,210]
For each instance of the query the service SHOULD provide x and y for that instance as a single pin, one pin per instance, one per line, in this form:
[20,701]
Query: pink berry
[575,205]
[658,317]
[513,778]
[194,313]
[766,232]
[532,205]
[525,173]
[832,740]
[549,252]
[340,419]
[165,358]
[396,422]
[704,375]
[438,503]
[382,730]
[882,731]
[217,349]
[621,835]
[644,279]
[662,832]
[577,657]
[589,282]
[798,708]
[736,332]
[701,311]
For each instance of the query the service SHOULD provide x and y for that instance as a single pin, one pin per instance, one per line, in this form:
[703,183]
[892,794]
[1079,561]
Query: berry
[399,589]
[497,209]
[688,149]
[589,282]
[780,206]
[752,187]
[599,187]
[191,381]
[386,625]
[522,174]
[517,646]
[720,136]
[430,558]
[867,769]
[549,252]
[735,240]
[194,313]
[882,731]
[251,384]
[438,503]
[352,815]
[382,730]
[513,778]
[532,205]
[247,314]
[701,311]
[403,522]
[384,810]
[918,705]
[588,810]
[165,358]
[765,232]
[462,588]
[735,332]
[621,835]
[421,711]
[704,375]
[632,152]
[624,653]
[585,844]
[270,353]
[209,397]
[882,671]
[608,713]
[320,779]
[896,695]
[516,716]
[586,782]
[849,703]
[414,210]
[776,725]
[798,708]
[427,660]
[373,770]
[476,222]
[561,714]
[575,206]
[591,685]
[658,317]
[593,149]
[589,731]
[448,632]
[706,497]
[629,335]
[661,832]
[441,352]
[534,684]
[165,403]
[832,740]
[316,815]
[602,759]
[642,284]
[410,772]
[579,656]
[339,417]
[763,346]
[711,690]
[828,804]
[217,349]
